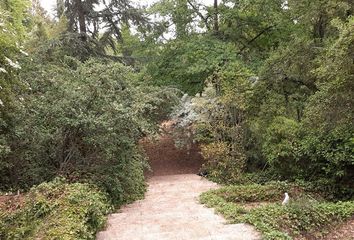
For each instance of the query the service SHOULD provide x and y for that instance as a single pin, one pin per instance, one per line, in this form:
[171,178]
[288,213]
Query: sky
[50,4]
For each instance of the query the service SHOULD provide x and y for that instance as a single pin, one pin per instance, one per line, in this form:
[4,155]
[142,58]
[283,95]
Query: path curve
[170,211]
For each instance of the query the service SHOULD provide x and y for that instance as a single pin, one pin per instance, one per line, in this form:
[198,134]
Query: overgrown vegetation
[277,96]
[69,110]
[57,210]
[270,87]
[307,215]
[90,135]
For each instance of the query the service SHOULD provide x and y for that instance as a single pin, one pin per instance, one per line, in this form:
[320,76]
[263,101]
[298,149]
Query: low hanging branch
[225,60]
[255,38]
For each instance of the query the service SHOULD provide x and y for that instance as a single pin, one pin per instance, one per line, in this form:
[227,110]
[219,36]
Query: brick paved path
[170,211]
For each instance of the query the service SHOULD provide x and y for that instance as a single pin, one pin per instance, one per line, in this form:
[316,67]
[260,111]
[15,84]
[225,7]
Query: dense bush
[82,121]
[12,31]
[290,123]
[328,119]
[217,119]
[281,146]
[220,166]
[57,210]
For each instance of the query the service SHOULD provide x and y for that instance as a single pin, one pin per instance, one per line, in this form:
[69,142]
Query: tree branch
[205,20]
[255,38]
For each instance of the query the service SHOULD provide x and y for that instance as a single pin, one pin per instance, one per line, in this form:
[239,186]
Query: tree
[177,17]
[328,121]
[216,17]
[188,63]
[12,35]
[86,20]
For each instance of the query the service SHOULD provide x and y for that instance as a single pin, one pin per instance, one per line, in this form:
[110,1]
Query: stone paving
[170,211]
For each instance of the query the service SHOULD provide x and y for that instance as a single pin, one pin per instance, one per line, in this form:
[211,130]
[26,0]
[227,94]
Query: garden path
[170,211]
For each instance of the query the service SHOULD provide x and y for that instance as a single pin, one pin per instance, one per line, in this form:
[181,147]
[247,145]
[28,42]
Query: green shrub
[259,177]
[299,218]
[57,210]
[83,121]
[281,146]
[220,164]
[306,214]
[269,192]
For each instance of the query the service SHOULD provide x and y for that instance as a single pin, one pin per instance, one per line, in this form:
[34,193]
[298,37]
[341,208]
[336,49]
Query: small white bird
[286,199]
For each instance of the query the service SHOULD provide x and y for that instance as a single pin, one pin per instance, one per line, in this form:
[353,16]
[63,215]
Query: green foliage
[328,117]
[274,79]
[282,75]
[303,216]
[57,210]
[12,33]
[223,133]
[299,218]
[13,16]
[83,121]
[188,63]
[300,120]
[269,192]
[178,12]
[242,21]
[281,146]
[220,165]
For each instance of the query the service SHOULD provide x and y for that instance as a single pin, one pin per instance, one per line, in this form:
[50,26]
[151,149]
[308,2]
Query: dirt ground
[11,202]
[344,231]
[166,159]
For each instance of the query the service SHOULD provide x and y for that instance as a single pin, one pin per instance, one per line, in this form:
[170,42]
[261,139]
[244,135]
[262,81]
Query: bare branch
[204,19]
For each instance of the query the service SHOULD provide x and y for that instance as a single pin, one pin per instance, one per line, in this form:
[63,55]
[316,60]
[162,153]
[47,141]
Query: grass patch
[57,210]
[307,214]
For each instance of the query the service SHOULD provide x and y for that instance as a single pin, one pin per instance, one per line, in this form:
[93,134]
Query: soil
[166,159]
[10,203]
[344,231]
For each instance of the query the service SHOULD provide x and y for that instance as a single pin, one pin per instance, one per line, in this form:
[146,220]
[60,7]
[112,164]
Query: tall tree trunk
[81,15]
[320,27]
[216,17]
